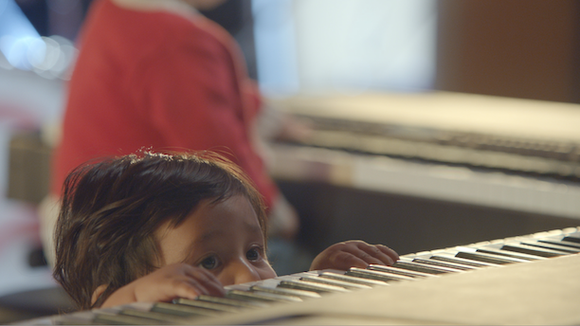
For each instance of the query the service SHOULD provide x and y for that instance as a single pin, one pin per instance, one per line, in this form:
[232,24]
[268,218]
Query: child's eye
[253,254]
[210,262]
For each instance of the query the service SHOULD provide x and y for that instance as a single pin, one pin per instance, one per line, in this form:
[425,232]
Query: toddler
[152,227]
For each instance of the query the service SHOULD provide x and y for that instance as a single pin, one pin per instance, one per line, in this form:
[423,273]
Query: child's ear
[98,293]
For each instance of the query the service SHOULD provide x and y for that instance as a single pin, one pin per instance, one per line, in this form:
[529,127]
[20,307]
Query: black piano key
[569,250]
[78,318]
[182,310]
[507,253]
[206,305]
[286,291]
[398,271]
[439,269]
[376,275]
[116,319]
[309,286]
[417,267]
[532,251]
[488,258]
[344,284]
[261,296]
[504,255]
[232,302]
[562,243]
[571,239]
[569,244]
[459,260]
[72,321]
[156,316]
[65,321]
[443,264]
[352,279]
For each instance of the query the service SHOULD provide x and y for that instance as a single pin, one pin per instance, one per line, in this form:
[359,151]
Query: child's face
[224,238]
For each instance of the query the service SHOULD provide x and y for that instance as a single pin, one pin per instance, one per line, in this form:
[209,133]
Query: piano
[466,167]
[530,279]
[499,152]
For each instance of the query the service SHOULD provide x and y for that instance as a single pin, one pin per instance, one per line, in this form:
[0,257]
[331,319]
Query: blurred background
[442,86]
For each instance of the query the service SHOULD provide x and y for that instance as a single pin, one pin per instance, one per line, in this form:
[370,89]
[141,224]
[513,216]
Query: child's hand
[345,255]
[166,284]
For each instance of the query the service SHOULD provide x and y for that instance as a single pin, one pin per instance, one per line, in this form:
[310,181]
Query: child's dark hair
[111,209]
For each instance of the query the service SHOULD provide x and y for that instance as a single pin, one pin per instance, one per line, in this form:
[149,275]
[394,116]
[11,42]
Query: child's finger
[188,288]
[388,251]
[383,255]
[353,258]
[362,252]
[205,281]
[179,286]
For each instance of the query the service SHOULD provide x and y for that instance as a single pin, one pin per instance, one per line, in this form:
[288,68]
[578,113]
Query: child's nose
[244,272]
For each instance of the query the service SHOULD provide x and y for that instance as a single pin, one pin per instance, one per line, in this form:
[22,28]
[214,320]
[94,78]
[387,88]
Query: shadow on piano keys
[531,279]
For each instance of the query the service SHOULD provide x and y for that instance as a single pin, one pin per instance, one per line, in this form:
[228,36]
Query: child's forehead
[226,227]
[236,207]
[211,218]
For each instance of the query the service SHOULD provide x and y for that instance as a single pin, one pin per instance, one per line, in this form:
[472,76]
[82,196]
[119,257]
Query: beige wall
[515,48]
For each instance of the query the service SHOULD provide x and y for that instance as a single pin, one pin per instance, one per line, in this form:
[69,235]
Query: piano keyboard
[513,154]
[518,155]
[256,300]
[484,132]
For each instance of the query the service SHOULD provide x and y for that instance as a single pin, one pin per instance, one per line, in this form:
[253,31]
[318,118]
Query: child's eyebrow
[249,228]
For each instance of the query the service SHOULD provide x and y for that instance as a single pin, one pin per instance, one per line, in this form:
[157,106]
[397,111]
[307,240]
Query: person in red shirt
[156,74]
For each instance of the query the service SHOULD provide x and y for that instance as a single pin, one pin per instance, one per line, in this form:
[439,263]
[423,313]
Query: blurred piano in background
[429,170]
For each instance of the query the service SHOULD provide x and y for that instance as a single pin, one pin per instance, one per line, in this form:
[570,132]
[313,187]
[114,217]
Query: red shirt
[159,80]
